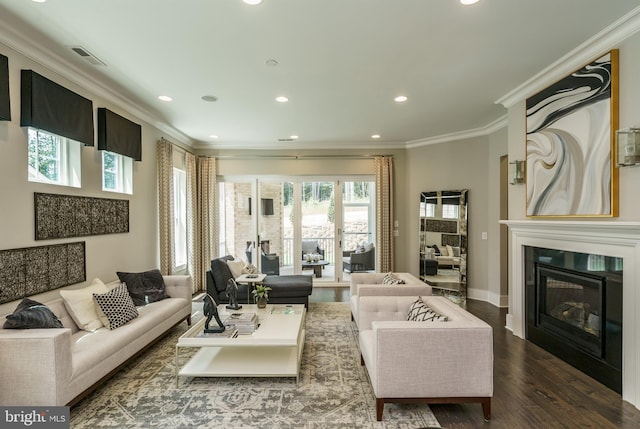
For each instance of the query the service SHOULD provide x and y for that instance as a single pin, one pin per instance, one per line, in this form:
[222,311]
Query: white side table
[251,280]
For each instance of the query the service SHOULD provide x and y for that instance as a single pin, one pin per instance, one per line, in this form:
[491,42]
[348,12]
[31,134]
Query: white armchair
[441,362]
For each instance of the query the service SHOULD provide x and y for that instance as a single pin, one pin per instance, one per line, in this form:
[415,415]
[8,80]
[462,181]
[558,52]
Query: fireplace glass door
[570,305]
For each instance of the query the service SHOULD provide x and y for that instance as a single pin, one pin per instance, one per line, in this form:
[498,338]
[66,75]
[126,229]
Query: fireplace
[618,238]
[574,310]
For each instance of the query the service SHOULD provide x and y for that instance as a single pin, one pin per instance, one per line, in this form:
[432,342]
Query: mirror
[443,242]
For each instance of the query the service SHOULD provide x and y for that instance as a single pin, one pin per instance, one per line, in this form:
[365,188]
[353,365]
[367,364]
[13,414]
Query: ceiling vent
[87,56]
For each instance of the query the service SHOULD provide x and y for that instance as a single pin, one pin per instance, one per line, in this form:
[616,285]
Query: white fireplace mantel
[611,238]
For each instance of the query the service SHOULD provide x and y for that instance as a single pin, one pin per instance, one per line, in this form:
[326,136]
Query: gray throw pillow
[145,287]
[30,314]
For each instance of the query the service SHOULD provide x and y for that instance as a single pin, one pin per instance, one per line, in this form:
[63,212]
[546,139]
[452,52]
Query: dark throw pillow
[221,272]
[115,308]
[30,314]
[144,287]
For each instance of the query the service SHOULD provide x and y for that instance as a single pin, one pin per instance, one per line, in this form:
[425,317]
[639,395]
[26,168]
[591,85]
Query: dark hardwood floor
[532,388]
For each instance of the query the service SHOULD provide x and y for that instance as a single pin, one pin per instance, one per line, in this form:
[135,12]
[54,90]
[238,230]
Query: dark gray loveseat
[293,289]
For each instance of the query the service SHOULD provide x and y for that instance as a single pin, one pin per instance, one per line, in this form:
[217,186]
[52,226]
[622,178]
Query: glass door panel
[271,226]
[318,230]
[236,226]
[358,227]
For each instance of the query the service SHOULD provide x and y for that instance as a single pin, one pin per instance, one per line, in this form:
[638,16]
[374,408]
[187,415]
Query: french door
[295,225]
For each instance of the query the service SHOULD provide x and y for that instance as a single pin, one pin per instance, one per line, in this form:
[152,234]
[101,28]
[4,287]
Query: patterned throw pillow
[115,307]
[392,279]
[30,314]
[421,312]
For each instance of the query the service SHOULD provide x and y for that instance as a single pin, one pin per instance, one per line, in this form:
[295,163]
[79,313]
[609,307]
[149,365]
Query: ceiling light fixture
[252,2]
[213,136]
[375,136]
[282,99]
[468,2]
[165,98]
[209,98]
[294,137]
[39,1]
[400,99]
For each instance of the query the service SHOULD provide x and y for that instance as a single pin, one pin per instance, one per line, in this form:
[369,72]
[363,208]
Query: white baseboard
[501,301]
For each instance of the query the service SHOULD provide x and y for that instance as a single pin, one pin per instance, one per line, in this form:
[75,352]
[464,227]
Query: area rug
[333,391]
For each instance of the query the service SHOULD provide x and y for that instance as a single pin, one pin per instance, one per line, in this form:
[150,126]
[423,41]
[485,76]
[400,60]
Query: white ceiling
[340,62]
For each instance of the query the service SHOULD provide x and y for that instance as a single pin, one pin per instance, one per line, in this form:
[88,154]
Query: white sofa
[430,362]
[370,284]
[47,367]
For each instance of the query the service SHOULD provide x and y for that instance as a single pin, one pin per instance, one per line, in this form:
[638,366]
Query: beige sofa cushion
[81,306]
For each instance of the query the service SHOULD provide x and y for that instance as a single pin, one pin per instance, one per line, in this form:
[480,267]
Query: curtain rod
[295,157]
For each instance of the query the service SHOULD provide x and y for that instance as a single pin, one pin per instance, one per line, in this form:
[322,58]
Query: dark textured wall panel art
[63,216]
[438,225]
[32,270]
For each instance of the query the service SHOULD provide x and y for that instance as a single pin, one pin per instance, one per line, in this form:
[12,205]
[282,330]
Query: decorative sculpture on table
[211,310]
[232,293]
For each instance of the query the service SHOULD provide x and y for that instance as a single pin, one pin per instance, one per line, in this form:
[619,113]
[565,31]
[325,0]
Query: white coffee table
[273,350]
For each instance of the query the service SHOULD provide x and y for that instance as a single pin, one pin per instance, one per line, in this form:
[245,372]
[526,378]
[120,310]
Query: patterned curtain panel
[192,210]
[164,151]
[207,216]
[384,214]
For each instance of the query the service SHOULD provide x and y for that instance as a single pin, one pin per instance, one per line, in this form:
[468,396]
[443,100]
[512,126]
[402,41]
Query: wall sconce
[628,147]
[517,170]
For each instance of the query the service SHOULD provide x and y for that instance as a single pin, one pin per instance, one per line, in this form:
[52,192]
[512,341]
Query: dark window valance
[5,105]
[430,197]
[47,106]
[119,135]
[451,198]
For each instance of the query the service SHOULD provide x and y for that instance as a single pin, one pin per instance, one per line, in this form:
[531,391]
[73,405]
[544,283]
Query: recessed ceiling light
[213,136]
[468,2]
[294,137]
[39,1]
[375,136]
[282,99]
[400,98]
[165,98]
[209,98]
[252,2]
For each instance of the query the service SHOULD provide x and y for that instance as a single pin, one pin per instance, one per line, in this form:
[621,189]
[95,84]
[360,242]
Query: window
[427,210]
[449,211]
[180,217]
[117,173]
[53,159]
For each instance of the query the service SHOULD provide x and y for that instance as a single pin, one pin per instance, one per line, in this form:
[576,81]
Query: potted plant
[261,295]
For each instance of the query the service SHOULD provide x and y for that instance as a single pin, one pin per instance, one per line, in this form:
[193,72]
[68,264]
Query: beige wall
[105,254]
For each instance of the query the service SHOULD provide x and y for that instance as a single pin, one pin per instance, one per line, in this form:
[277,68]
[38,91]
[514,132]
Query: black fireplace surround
[574,310]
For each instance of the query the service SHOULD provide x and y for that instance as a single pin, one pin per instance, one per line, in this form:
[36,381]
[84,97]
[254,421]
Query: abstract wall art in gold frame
[571,126]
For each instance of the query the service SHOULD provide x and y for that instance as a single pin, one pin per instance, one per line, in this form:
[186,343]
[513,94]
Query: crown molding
[460,135]
[13,38]
[594,47]
[299,144]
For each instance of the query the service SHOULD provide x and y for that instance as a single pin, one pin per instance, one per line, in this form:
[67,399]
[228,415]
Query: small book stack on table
[245,323]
